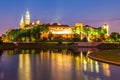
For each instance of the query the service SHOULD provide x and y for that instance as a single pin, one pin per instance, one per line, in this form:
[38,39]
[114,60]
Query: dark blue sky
[92,12]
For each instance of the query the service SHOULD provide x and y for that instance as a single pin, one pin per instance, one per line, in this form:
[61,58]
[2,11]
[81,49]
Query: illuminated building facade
[26,23]
[66,31]
[58,30]
[27,18]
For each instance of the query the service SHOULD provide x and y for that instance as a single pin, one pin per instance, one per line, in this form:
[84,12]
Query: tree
[32,34]
[115,37]
[85,39]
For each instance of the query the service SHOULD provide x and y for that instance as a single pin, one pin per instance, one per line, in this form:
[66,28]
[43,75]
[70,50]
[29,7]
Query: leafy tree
[85,39]
[32,34]
[115,36]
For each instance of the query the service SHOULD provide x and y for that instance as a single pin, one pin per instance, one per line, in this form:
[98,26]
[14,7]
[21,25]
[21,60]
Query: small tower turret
[37,22]
[22,23]
[106,26]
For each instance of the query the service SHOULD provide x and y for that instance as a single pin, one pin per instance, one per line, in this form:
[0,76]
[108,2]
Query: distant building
[26,23]
[106,26]
[65,31]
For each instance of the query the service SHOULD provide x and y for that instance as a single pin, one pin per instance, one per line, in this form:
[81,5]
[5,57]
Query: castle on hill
[65,31]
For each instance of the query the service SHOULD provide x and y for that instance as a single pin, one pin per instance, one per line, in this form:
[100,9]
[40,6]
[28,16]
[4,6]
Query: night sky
[92,12]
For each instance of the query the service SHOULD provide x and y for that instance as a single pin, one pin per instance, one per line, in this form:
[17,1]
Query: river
[55,64]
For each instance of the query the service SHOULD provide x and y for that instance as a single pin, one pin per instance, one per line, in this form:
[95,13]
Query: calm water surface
[56,64]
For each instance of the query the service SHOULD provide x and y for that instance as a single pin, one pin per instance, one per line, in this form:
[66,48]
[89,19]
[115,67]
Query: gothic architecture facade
[26,23]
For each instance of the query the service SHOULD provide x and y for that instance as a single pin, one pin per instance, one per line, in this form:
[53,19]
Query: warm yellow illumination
[22,23]
[106,69]
[79,24]
[61,30]
[106,26]
[96,67]
[24,67]
[27,18]
[37,22]
[85,65]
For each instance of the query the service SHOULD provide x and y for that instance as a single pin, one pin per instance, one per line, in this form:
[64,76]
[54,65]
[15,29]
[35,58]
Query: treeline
[114,37]
[26,35]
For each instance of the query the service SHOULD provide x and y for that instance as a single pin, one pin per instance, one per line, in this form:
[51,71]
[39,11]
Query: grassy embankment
[108,56]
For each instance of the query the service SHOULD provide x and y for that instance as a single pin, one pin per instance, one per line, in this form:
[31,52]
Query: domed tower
[37,22]
[106,26]
[22,23]
[27,18]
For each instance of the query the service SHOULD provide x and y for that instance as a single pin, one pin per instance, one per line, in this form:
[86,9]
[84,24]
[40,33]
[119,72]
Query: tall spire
[27,17]
[22,22]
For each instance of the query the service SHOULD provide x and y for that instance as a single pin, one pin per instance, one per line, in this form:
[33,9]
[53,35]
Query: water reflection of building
[66,31]
[58,62]
[106,69]
[24,67]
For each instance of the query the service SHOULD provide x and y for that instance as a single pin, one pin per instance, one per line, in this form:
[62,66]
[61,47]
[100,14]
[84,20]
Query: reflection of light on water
[91,68]
[88,64]
[85,65]
[21,60]
[96,67]
[60,64]
[24,67]
[81,56]
[32,51]
[86,77]
[106,69]
[98,78]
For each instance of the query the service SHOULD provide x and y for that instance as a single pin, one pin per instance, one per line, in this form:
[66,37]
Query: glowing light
[91,67]
[97,67]
[24,67]
[106,69]
[61,30]
[27,18]
[85,65]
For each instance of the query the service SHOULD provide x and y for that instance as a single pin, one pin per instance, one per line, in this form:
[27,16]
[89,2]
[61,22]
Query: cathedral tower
[22,23]
[27,18]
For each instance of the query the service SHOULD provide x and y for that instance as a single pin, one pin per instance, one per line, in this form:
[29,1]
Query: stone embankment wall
[108,46]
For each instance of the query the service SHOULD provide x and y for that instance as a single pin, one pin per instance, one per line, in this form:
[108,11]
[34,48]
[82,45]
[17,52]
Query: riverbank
[70,45]
[107,56]
[37,45]
[104,46]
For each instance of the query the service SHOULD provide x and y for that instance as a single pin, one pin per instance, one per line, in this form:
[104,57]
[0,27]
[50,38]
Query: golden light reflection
[91,68]
[85,65]
[60,64]
[24,67]
[106,69]
[96,67]
[88,64]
